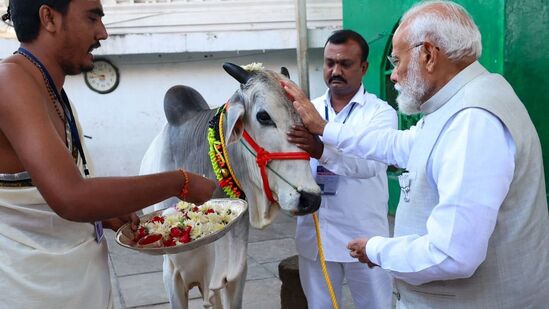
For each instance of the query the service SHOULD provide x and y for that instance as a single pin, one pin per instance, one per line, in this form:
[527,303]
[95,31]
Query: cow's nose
[308,203]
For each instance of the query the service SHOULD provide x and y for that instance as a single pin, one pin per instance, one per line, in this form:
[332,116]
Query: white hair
[451,28]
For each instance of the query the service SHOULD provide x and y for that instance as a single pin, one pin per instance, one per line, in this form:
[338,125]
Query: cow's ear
[235,116]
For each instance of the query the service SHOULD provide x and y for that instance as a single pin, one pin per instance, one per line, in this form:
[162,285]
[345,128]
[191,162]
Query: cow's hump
[181,103]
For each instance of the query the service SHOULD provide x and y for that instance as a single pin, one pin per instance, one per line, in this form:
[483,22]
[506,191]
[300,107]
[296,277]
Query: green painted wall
[514,39]
[376,19]
[526,63]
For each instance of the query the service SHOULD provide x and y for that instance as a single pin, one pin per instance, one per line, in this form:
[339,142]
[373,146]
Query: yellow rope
[323,262]
[224,148]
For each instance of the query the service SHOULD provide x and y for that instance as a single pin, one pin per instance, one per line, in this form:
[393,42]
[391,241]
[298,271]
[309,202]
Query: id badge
[98,227]
[326,180]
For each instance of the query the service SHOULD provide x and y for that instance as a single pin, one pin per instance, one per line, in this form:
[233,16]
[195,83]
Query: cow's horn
[284,71]
[237,72]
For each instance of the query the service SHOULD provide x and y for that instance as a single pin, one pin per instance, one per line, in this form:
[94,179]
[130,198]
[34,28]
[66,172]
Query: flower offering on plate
[182,227]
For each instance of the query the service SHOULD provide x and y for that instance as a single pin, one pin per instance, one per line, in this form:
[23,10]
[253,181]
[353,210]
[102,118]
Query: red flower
[157,219]
[185,238]
[141,232]
[170,242]
[175,232]
[149,239]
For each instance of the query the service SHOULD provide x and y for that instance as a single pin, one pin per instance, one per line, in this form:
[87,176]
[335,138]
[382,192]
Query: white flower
[174,220]
[158,228]
[224,217]
[213,217]
[182,205]
[254,66]
[196,231]
[217,227]
[197,217]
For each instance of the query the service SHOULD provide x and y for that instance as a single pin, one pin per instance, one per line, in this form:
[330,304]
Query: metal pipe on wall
[302,44]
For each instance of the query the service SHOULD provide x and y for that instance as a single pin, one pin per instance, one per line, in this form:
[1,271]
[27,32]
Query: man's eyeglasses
[394,61]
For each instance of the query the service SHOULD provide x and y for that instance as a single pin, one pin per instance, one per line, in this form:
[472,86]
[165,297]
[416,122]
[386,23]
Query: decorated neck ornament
[218,150]
[219,157]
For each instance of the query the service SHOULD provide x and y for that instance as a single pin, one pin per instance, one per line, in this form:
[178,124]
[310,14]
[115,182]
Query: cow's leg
[212,298]
[233,291]
[176,288]
[238,261]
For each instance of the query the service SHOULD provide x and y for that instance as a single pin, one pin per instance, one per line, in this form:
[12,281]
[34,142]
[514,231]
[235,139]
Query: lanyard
[346,117]
[64,100]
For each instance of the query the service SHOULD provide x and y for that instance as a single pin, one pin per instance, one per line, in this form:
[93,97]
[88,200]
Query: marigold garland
[219,158]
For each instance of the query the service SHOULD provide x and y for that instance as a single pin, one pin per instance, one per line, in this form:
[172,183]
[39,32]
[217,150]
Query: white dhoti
[47,261]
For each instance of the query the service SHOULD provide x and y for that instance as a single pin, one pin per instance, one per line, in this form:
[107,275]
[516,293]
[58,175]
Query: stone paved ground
[137,278]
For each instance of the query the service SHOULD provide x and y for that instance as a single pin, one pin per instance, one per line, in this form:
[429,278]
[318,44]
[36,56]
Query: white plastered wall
[121,124]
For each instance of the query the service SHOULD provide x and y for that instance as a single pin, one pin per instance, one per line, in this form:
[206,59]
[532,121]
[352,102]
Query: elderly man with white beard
[472,227]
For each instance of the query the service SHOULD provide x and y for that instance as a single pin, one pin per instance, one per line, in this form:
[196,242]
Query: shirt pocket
[435,294]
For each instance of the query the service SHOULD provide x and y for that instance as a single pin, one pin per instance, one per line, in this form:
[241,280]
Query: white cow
[261,108]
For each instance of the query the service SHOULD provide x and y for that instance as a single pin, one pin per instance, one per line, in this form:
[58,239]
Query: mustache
[402,89]
[95,46]
[337,78]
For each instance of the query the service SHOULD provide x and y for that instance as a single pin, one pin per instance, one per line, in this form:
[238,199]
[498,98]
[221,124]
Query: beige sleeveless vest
[515,273]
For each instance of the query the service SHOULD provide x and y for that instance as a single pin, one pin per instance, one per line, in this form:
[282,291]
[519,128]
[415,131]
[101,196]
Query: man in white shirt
[353,205]
[472,227]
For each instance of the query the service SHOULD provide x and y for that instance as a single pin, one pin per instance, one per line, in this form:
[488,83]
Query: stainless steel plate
[124,235]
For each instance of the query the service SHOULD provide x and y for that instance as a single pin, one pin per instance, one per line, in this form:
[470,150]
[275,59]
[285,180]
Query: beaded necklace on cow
[219,158]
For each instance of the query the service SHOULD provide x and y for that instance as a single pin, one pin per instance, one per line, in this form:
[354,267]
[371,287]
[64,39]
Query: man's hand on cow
[201,189]
[357,249]
[312,120]
[301,137]
[115,223]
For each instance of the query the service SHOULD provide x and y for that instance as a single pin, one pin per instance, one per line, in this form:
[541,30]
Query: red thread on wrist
[185,188]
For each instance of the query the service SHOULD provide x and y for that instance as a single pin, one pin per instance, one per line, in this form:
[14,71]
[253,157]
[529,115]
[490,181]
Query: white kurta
[472,166]
[358,209]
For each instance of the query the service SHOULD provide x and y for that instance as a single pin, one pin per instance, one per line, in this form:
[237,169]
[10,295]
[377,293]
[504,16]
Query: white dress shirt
[471,166]
[359,208]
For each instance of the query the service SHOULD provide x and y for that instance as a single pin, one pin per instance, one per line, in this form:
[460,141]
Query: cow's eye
[264,118]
